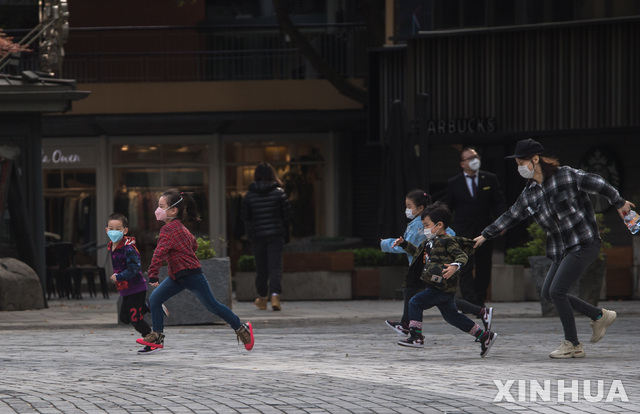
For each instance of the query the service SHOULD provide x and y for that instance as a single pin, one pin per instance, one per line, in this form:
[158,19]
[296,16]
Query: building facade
[571,80]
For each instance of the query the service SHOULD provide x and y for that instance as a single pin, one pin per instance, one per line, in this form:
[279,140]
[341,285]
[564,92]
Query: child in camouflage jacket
[439,259]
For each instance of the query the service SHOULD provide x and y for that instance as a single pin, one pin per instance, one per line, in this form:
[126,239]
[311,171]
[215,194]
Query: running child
[125,260]
[416,201]
[438,260]
[177,246]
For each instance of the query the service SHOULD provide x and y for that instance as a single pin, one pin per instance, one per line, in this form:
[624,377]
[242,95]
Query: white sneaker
[599,327]
[568,350]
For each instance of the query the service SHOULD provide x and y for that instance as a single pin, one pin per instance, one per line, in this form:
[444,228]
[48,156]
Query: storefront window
[160,154]
[70,210]
[143,172]
[300,166]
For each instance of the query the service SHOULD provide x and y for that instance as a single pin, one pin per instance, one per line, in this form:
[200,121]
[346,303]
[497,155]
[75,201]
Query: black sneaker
[486,314]
[397,326]
[148,350]
[486,342]
[413,342]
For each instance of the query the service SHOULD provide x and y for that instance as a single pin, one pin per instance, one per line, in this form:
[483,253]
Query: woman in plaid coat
[557,198]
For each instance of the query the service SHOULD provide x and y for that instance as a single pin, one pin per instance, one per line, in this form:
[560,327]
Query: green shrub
[367,257]
[246,263]
[205,249]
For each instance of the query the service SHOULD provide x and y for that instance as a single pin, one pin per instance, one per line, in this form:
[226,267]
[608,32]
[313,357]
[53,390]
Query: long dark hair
[187,208]
[265,172]
[419,198]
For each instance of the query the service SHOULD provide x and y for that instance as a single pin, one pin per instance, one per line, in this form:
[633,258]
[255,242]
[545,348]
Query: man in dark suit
[476,198]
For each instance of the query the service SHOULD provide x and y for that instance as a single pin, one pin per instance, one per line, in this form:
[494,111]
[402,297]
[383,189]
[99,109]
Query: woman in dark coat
[267,211]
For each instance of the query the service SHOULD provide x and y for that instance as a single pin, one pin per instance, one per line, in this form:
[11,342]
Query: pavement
[313,357]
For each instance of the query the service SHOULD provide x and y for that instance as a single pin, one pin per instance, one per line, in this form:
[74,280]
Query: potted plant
[205,250]
[533,255]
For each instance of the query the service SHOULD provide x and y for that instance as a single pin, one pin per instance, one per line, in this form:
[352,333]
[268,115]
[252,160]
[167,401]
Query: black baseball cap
[526,148]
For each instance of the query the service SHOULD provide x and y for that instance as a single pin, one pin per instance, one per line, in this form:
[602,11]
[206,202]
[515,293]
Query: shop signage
[461,126]
[58,157]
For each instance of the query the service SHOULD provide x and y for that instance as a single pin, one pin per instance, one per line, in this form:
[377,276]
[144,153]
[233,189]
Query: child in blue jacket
[416,201]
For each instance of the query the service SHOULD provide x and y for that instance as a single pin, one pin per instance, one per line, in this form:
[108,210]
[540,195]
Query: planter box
[530,292]
[317,261]
[619,281]
[365,283]
[507,283]
[312,285]
[185,309]
[391,278]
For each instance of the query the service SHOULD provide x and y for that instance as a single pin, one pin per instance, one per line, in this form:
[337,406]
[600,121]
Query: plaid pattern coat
[561,206]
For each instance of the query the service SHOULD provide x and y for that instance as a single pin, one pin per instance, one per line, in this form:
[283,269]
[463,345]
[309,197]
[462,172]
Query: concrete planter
[318,261]
[310,285]
[306,276]
[507,283]
[185,309]
[530,292]
[587,288]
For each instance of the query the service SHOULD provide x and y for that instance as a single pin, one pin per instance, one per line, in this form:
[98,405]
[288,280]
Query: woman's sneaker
[245,334]
[568,350]
[153,339]
[148,350]
[599,327]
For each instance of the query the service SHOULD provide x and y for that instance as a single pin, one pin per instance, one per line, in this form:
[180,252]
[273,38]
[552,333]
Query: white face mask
[525,172]
[428,233]
[474,164]
[409,213]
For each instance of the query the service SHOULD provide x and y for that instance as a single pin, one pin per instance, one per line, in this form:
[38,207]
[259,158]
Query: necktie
[474,187]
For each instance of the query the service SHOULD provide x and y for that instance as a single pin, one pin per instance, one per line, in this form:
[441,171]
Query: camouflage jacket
[432,255]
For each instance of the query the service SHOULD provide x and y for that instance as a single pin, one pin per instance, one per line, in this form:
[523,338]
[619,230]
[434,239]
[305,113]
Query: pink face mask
[161,214]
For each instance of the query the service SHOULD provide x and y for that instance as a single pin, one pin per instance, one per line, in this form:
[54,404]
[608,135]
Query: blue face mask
[115,235]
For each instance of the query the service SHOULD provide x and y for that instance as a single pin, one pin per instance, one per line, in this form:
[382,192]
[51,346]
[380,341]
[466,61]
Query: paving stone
[313,357]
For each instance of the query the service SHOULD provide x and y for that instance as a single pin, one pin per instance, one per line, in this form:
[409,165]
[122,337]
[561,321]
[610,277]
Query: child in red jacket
[177,246]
